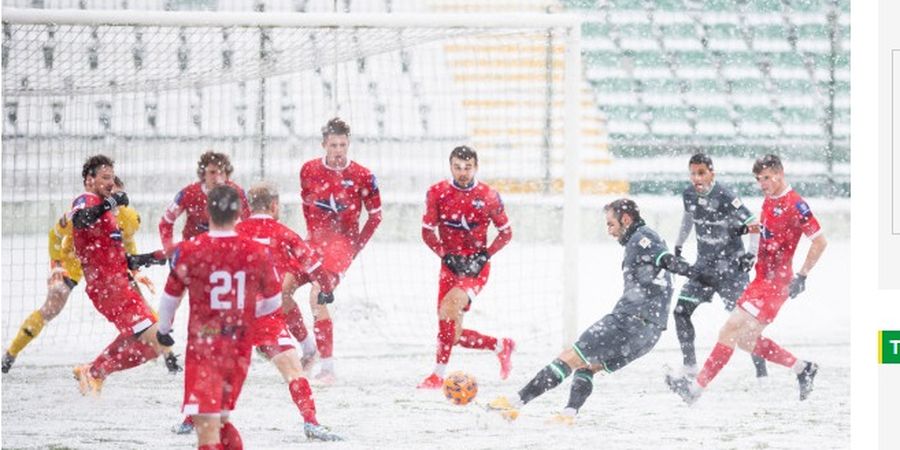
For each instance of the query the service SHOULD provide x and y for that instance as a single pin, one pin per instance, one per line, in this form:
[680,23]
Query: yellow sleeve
[62,247]
[129,221]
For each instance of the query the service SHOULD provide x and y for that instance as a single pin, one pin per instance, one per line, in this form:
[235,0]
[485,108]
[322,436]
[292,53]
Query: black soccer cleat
[172,363]
[684,387]
[805,379]
[8,361]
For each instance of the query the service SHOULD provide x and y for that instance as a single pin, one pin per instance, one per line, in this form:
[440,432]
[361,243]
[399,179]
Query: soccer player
[213,169]
[629,331]
[334,190]
[720,218]
[460,210]
[98,245]
[231,282]
[785,217]
[65,273]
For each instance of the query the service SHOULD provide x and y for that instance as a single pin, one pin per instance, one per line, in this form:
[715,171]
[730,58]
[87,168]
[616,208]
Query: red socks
[294,321]
[302,395]
[324,337]
[125,352]
[230,438]
[769,350]
[446,333]
[717,359]
[211,447]
[476,340]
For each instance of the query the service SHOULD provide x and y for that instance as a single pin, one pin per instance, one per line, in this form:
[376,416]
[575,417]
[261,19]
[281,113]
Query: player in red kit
[213,169]
[334,191]
[98,245]
[460,210]
[785,217]
[231,282]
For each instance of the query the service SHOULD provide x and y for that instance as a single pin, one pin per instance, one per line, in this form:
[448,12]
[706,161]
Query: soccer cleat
[433,381]
[316,432]
[684,387]
[561,419]
[689,371]
[505,363]
[172,363]
[185,427]
[325,377]
[87,384]
[806,378]
[504,407]
[8,361]
[307,360]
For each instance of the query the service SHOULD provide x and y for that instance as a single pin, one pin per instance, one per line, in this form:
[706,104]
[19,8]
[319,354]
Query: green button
[889,347]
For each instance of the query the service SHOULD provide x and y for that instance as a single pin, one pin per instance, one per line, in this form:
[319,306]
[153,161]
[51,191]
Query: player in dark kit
[785,217]
[460,210]
[629,331]
[719,218]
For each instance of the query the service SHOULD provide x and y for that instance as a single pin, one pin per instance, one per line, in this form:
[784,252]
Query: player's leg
[287,361]
[57,294]
[229,436]
[692,294]
[293,318]
[730,291]
[469,338]
[323,329]
[451,306]
[209,431]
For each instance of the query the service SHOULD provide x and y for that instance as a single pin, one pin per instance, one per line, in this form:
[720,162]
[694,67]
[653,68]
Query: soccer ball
[460,388]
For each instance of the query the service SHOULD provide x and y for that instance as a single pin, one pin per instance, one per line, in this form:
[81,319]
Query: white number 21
[220,280]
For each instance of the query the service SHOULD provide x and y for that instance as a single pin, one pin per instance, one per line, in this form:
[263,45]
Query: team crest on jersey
[736,203]
[478,203]
[644,242]
[777,211]
[701,201]
[346,183]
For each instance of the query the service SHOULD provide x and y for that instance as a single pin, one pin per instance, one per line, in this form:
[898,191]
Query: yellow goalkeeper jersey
[62,248]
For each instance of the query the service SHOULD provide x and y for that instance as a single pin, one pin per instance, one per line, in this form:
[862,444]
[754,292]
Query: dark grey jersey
[717,217]
[648,288]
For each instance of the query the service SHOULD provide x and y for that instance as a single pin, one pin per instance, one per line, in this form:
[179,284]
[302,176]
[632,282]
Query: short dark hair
[223,204]
[119,183]
[93,163]
[464,153]
[214,158]
[768,162]
[701,158]
[335,126]
[261,195]
[624,206]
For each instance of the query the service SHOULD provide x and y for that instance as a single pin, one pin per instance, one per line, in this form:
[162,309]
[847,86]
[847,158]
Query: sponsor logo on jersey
[803,208]
[702,201]
[736,203]
[461,224]
[478,203]
[330,205]
[777,211]
[644,242]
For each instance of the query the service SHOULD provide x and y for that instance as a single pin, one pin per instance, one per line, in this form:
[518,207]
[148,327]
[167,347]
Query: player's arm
[811,228]
[167,223]
[816,248]
[270,286]
[372,202]
[501,221]
[687,223]
[170,300]
[55,241]
[430,224]
[86,216]
[745,223]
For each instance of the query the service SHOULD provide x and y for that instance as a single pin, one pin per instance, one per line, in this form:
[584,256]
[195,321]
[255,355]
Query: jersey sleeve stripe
[373,211]
[749,219]
[268,305]
[503,227]
[313,267]
[430,227]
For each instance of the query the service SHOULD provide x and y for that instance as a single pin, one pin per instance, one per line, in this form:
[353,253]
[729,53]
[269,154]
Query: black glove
[746,261]
[146,259]
[172,362]
[798,285]
[456,263]
[740,231]
[117,199]
[678,251]
[704,278]
[475,263]
[325,298]
[165,339]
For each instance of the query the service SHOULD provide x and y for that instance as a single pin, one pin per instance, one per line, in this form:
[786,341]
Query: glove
[325,298]
[117,199]
[746,261]
[143,279]
[678,251]
[456,263]
[704,278]
[165,340]
[475,263]
[146,259]
[740,231]
[172,363]
[798,285]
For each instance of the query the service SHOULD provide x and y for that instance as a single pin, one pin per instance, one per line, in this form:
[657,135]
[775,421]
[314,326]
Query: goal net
[154,90]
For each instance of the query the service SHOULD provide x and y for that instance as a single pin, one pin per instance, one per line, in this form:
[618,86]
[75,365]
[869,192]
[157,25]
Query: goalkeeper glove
[116,199]
[325,298]
[456,263]
[475,263]
[146,259]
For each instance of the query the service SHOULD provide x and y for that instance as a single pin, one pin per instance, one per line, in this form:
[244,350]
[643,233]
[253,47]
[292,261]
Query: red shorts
[472,286]
[120,304]
[763,298]
[270,335]
[213,378]
[337,253]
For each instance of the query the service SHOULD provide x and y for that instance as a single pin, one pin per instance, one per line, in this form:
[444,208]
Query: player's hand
[740,231]
[475,263]
[165,339]
[798,285]
[145,280]
[116,199]
[678,251]
[746,261]
[704,278]
[146,259]
[456,263]
[325,298]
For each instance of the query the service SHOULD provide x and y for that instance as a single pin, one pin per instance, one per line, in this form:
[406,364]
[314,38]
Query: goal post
[154,89]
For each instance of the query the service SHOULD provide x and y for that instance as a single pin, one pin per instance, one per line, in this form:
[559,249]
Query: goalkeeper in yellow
[65,273]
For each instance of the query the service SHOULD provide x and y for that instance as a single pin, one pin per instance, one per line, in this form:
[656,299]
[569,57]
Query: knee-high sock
[685,330]
[582,386]
[294,321]
[771,351]
[445,337]
[717,359]
[29,330]
[125,351]
[476,340]
[302,396]
[230,438]
[548,378]
[324,337]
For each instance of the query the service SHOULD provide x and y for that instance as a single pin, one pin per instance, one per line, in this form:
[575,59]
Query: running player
[334,191]
[460,210]
[785,217]
[720,218]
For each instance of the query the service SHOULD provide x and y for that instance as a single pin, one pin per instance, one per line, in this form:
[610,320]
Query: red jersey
[98,247]
[461,217]
[289,251]
[333,200]
[784,218]
[192,200]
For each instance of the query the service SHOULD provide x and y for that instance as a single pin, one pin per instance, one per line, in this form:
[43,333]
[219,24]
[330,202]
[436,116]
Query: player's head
[98,175]
[336,142]
[769,174]
[118,184]
[620,215]
[263,199]
[463,165]
[702,173]
[223,203]
[214,168]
